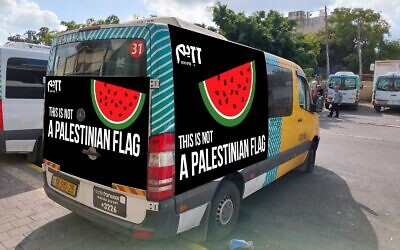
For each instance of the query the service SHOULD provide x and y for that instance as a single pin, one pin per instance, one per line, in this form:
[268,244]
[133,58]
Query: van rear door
[96,128]
[96,125]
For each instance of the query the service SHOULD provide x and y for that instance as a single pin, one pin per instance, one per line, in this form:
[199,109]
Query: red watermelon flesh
[228,96]
[117,107]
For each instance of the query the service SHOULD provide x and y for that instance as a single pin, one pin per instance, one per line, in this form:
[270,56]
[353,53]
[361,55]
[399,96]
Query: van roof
[179,23]
[344,73]
[26,46]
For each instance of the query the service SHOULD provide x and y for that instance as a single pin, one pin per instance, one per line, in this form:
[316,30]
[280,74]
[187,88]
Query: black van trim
[22,134]
[283,157]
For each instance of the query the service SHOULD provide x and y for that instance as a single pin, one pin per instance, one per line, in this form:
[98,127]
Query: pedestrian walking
[336,102]
[317,92]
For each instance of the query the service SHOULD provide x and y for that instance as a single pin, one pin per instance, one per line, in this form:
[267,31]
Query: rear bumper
[161,224]
[385,104]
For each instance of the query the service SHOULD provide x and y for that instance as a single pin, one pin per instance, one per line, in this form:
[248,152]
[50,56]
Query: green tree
[343,37]
[72,25]
[389,50]
[43,36]
[270,32]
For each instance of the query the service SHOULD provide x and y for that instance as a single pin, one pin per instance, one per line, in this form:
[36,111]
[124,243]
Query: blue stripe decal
[162,102]
[274,136]
[271,176]
[274,145]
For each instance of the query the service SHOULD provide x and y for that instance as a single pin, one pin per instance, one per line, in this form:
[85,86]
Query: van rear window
[388,84]
[344,83]
[114,57]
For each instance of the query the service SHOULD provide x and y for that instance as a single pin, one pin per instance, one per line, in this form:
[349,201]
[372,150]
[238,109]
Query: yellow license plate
[64,185]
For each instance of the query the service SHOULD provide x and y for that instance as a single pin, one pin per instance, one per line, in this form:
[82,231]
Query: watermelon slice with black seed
[228,96]
[116,107]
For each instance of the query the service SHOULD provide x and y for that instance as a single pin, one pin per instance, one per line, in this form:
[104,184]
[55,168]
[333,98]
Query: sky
[17,16]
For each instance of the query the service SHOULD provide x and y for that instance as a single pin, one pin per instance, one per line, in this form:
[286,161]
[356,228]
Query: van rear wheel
[36,155]
[224,211]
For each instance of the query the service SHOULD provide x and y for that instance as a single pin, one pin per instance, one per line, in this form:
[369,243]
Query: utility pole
[328,70]
[359,48]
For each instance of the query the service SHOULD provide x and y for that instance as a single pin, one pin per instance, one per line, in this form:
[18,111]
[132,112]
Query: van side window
[280,91]
[304,93]
[24,78]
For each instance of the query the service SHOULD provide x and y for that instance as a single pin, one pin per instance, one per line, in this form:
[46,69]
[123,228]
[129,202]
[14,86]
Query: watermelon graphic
[116,107]
[229,95]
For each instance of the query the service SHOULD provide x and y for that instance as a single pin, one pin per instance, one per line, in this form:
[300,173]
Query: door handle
[300,120]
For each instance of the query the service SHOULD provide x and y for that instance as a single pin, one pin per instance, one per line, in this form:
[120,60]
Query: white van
[386,91]
[22,67]
[349,86]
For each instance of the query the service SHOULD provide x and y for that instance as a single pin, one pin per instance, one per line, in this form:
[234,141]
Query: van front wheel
[224,210]
[377,108]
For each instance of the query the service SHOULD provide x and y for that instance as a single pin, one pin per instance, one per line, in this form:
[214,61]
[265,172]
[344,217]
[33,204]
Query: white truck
[22,67]
[386,84]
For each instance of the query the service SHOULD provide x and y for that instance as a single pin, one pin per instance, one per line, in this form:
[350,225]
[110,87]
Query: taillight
[1,115]
[161,167]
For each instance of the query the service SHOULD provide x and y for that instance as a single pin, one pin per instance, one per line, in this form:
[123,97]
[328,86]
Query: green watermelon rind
[227,122]
[119,125]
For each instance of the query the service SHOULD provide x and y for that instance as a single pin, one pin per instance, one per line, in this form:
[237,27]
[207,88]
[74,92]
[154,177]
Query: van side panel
[221,110]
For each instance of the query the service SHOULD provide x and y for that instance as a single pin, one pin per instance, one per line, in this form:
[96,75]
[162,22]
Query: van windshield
[99,58]
[344,83]
[388,84]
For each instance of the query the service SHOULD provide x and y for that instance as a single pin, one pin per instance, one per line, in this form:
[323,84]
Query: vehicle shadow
[74,232]
[304,211]
[16,177]
[298,211]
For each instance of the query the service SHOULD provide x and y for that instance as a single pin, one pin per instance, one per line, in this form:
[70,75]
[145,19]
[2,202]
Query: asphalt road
[350,201]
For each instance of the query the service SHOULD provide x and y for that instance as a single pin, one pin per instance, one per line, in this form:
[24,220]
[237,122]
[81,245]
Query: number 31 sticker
[137,48]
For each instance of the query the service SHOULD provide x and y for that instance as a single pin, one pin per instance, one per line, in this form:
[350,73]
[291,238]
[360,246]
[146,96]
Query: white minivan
[22,67]
[349,86]
[386,91]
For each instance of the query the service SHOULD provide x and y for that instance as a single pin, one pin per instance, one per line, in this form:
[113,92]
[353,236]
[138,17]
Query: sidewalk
[24,206]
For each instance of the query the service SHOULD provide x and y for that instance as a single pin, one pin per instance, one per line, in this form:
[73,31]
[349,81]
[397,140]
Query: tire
[377,108]
[36,156]
[310,161]
[224,212]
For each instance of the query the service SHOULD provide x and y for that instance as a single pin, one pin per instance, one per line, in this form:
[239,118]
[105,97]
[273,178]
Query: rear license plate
[64,185]
[109,201]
